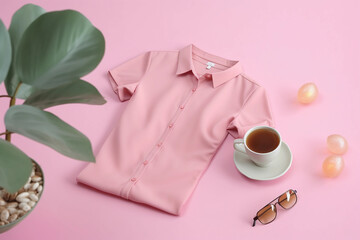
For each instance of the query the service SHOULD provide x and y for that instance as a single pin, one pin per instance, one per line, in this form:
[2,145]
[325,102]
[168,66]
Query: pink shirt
[182,104]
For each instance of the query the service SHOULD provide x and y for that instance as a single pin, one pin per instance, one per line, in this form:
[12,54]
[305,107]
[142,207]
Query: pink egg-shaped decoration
[337,144]
[333,165]
[307,93]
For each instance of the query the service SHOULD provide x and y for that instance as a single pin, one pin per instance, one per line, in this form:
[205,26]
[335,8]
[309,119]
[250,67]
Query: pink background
[281,44]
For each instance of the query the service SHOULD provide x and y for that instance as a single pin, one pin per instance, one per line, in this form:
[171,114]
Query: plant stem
[5,96]
[12,103]
[13,98]
[4,133]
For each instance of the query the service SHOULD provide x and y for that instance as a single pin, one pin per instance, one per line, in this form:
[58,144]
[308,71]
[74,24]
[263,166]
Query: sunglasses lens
[267,214]
[288,199]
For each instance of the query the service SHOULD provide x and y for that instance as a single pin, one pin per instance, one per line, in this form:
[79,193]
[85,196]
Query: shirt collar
[185,64]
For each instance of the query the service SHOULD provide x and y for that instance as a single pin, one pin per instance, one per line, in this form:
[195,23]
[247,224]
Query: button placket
[143,164]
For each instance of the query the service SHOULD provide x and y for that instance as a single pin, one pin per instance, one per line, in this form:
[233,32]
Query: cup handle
[239,145]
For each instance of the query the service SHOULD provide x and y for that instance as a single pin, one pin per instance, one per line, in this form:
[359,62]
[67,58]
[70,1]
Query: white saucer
[276,169]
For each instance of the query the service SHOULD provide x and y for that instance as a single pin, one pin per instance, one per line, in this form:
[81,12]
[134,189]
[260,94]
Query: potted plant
[43,56]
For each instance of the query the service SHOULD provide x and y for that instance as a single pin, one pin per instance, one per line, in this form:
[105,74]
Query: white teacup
[262,159]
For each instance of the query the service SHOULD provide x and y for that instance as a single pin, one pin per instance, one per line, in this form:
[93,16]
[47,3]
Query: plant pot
[10,225]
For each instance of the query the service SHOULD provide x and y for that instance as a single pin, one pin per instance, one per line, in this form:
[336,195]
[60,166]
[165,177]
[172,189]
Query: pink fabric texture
[182,104]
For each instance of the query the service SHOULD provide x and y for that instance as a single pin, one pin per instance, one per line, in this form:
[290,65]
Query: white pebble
[35,186]
[35,178]
[24,206]
[27,186]
[13,217]
[2,202]
[39,189]
[32,173]
[22,195]
[4,215]
[12,210]
[31,203]
[21,200]
[12,205]
[21,213]
[34,197]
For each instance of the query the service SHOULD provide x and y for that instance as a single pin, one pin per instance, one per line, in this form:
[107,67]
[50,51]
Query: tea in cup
[261,143]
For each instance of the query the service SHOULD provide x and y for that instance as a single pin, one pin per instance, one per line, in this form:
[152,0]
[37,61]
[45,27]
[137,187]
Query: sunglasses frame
[277,202]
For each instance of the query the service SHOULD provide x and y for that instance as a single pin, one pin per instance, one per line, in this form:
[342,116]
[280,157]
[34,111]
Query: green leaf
[5,50]
[48,129]
[15,167]
[57,48]
[74,92]
[20,21]
[11,83]
[24,91]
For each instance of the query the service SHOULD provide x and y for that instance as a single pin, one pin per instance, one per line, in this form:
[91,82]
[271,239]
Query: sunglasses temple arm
[255,218]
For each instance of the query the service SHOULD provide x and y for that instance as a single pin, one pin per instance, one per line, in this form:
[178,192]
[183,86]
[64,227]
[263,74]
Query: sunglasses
[268,213]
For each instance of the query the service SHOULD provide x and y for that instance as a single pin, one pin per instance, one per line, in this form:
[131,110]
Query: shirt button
[171,125]
[181,107]
[133,179]
[207,76]
[194,89]
[159,144]
[145,162]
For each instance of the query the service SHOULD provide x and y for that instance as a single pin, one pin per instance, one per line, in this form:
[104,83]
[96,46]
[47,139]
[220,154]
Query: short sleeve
[125,78]
[256,111]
